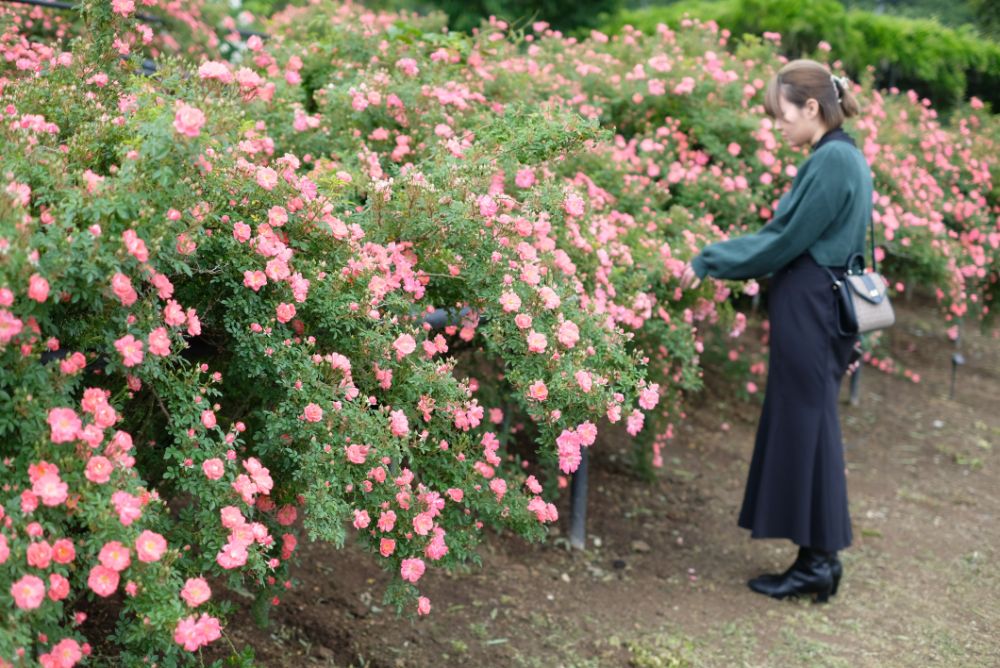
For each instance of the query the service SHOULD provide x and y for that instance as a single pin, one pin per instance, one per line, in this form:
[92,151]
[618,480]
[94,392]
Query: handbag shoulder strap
[871,228]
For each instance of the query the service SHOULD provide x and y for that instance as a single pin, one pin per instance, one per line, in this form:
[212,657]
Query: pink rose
[28,592]
[573,205]
[404,345]
[38,288]
[649,396]
[231,556]
[584,380]
[58,589]
[63,551]
[356,454]
[536,342]
[213,468]
[361,519]
[208,419]
[408,66]
[277,216]
[150,546]
[159,342]
[216,70]
[510,302]
[128,507]
[386,521]
[39,554]
[525,178]
[423,606]
[135,246]
[587,432]
[115,556]
[173,313]
[254,280]
[499,487]
[538,391]
[285,312]
[569,451]
[312,413]
[194,324]
[423,523]
[550,298]
[188,120]
[635,422]
[412,569]
[231,517]
[10,326]
[103,581]
[487,206]
[131,350]
[50,489]
[286,515]
[123,7]
[98,470]
[64,425]
[398,424]
[241,232]
[121,285]
[193,634]
[386,546]
[196,591]
[568,333]
[267,178]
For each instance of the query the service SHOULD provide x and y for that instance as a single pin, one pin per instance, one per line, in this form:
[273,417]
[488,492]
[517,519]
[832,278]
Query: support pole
[856,387]
[578,493]
[957,360]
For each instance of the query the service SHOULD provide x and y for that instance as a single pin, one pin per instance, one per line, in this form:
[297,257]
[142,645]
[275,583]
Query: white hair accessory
[844,82]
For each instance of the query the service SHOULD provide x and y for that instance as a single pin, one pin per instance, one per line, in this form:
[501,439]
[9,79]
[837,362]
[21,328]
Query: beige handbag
[862,297]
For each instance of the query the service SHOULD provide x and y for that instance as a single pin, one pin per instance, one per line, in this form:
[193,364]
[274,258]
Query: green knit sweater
[825,214]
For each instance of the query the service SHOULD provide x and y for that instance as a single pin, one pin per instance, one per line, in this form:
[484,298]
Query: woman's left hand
[689,278]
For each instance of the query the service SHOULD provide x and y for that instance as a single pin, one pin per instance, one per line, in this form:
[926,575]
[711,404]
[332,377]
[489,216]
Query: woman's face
[800,126]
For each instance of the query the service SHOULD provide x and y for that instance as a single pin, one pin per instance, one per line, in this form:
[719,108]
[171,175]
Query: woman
[797,485]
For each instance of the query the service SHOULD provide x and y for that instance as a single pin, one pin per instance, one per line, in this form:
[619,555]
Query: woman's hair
[800,80]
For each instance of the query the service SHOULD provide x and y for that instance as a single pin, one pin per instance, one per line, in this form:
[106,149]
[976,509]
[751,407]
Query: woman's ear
[812,108]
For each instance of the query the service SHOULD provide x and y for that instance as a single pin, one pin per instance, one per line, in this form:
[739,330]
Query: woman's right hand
[689,278]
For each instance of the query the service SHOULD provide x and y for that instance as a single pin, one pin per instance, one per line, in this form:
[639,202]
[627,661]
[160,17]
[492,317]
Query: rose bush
[203,337]
[341,282]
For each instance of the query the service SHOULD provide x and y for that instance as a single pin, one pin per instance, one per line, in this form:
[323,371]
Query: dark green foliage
[561,14]
[942,63]
[987,14]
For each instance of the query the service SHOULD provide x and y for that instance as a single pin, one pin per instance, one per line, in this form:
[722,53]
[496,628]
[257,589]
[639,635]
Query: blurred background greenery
[945,50]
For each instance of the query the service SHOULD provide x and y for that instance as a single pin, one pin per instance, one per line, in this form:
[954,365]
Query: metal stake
[957,360]
[856,387]
[578,494]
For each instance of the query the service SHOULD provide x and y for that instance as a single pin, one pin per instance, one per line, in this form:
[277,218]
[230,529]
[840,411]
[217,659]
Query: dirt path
[921,583]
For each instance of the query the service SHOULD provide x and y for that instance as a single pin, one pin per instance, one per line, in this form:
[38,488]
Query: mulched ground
[662,582]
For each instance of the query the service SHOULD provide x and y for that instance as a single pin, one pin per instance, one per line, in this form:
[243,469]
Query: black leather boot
[836,571]
[812,573]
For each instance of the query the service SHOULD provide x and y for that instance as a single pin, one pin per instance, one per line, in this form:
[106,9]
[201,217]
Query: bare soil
[663,580]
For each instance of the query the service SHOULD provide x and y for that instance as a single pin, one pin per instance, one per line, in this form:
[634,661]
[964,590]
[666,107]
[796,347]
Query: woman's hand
[689,279]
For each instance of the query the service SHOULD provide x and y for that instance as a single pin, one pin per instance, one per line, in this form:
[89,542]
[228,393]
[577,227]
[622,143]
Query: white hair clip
[844,82]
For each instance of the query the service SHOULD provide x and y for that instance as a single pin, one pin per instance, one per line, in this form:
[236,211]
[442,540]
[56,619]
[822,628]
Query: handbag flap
[871,287]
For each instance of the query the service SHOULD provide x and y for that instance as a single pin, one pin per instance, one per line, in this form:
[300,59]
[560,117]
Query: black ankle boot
[812,573]
[836,571]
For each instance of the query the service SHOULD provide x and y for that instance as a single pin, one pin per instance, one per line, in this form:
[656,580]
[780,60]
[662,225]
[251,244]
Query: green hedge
[944,64]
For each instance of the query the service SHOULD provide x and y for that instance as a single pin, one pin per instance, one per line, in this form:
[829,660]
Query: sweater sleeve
[815,201]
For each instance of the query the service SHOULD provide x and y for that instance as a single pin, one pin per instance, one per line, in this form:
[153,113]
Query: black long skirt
[797,487]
